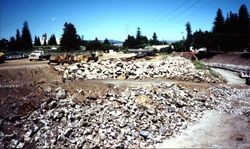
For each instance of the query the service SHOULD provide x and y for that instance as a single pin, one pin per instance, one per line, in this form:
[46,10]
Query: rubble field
[62,107]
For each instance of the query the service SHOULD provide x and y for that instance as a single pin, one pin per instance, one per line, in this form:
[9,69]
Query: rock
[20,145]
[61,93]
[67,132]
[13,143]
[145,134]
[48,89]
[143,101]
[171,68]
[73,68]
[159,112]
[151,111]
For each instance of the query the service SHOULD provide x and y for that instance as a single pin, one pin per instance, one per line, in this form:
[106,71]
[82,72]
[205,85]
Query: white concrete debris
[177,68]
[130,118]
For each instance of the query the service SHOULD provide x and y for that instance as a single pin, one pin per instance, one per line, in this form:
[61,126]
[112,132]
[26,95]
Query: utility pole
[183,47]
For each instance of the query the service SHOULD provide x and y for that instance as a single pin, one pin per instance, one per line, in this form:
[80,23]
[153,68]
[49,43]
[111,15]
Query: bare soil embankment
[236,58]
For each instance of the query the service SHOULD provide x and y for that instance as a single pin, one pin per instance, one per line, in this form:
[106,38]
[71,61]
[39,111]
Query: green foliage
[167,50]
[189,36]
[138,42]
[26,41]
[218,22]
[96,45]
[203,39]
[4,44]
[106,45]
[154,40]
[233,33]
[178,46]
[213,73]
[12,43]
[70,41]
[202,66]
[155,50]
[199,65]
[52,40]
[18,40]
[37,41]
[130,42]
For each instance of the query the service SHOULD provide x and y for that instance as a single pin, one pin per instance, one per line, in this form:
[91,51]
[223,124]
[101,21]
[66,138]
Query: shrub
[199,65]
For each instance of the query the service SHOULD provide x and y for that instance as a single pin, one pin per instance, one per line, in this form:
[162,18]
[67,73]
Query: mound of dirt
[28,75]
[235,58]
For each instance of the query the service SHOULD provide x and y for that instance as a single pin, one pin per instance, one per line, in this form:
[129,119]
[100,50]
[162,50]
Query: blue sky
[112,19]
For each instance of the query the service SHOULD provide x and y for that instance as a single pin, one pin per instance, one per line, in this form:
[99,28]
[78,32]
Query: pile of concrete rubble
[128,118]
[177,68]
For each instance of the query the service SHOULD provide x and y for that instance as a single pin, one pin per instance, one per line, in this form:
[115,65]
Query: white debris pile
[177,68]
[133,118]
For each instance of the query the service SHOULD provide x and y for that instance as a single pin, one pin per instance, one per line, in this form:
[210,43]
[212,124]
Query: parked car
[15,55]
[39,55]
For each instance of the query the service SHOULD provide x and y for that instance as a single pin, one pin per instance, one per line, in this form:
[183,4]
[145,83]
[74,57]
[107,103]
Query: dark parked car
[15,55]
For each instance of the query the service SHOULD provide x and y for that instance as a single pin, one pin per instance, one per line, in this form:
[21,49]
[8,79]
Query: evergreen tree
[106,45]
[244,27]
[244,19]
[26,41]
[154,40]
[218,22]
[35,41]
[12,43]
[189,36]
[4,44]
[38,41]
[52,40]
[70,39]
[18,40]
[138,33]
[130,42]
[218,30]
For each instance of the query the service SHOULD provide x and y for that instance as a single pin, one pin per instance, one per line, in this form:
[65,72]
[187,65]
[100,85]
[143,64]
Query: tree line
[230,34]
[140,41]
[227,34]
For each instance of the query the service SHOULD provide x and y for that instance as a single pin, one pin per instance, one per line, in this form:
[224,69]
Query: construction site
[122,101]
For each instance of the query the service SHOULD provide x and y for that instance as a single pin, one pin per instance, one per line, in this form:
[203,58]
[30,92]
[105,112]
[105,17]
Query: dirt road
[22,63]
[231,77]
[214,130]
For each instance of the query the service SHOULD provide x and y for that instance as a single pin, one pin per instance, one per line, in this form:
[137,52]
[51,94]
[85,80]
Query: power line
[174,10]
[184,11]
[194,12]
[155,18]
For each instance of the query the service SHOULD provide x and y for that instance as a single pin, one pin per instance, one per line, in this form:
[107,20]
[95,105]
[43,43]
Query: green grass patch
[199,65]
[213,73]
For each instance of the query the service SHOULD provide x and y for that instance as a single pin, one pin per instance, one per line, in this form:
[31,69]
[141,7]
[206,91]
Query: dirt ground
[229,58]
[22,85]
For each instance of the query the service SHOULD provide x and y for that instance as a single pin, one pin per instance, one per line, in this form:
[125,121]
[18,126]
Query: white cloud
[53,19]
